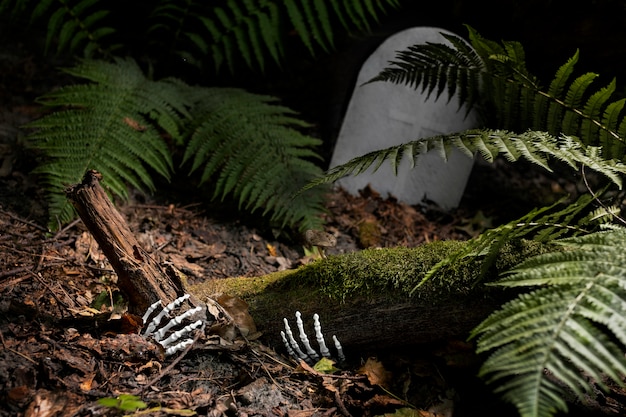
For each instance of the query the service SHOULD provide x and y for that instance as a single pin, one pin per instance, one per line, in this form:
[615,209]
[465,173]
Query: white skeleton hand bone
[158,331]
[311,356]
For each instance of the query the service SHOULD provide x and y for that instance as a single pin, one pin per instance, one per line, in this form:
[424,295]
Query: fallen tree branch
[140,278]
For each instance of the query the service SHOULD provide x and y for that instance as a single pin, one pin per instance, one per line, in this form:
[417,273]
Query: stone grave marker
[384,114]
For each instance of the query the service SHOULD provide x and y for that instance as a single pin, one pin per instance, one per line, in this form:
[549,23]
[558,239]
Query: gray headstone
[384,114]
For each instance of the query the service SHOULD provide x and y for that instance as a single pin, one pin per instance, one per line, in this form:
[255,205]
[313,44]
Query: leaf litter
[67,343]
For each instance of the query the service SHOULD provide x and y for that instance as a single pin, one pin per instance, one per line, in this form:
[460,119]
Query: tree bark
[373,298]
[140,278]
[372,322]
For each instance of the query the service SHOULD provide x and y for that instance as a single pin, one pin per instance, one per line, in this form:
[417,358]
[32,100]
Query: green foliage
[540,148]
[113,124]
[252,147]
[254,30]
[124,402]
[570,331]
[495,76]
[72,24]
[543,225]
[454,68]
[118,123]
[227,31]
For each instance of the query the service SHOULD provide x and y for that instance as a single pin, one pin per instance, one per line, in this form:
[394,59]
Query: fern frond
[495,76]
[73,24]
[112,125]
[543,224]
[250,147]
[536,147]
[254,29]
[565,331]
[453,67]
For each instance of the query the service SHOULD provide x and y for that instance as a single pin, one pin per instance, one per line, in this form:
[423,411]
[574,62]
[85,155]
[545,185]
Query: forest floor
[63,347]
[58,357]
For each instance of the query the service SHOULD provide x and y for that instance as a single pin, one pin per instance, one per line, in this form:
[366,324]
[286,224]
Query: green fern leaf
[483,46]
[260,159]
[552,333]
[112,125]
[494,76]
[593,109]
[608,138]
[558,84]
[75,24]
[249,30]
[326,30]
[296,16]
[543,224]
[268,22]
[536,147]
[357,14]
[573,99]
[437,66]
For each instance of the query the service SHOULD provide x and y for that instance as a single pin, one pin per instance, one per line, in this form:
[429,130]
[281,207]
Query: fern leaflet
[543,224]
[253,29]
[495,76]
[72,24]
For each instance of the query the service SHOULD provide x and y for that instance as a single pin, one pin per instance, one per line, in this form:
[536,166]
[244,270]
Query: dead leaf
[134,124]
[320,238]
[71,271]
[380,400]
[46,404]
[282,262]
[195,249]
[180,262]
[238,311]
[19,395]
[85,311]
[302,413]
[87,383]
[87,248]
[130,323]
[74,360]
[151,364]
[375,372]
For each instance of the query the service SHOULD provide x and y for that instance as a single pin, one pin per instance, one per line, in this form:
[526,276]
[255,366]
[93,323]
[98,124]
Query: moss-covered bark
[364,297]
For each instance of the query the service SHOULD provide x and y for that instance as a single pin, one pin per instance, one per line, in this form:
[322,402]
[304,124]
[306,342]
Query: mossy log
[367,298]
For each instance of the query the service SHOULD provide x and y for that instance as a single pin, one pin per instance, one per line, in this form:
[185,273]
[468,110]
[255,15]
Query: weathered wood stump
[141,279]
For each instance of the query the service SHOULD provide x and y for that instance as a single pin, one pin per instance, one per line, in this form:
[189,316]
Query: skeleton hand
[169,333]
[311,356]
